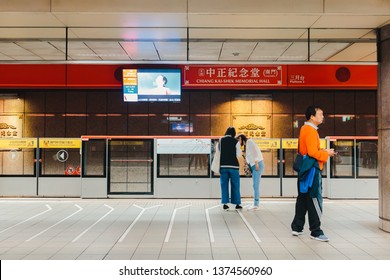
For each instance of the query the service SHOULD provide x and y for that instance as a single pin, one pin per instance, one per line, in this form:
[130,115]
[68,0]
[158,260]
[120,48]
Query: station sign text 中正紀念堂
[233,76]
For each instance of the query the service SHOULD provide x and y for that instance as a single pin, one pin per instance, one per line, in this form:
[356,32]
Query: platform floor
[183,229]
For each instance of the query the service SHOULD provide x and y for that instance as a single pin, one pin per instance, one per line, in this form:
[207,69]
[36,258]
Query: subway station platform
[183,229]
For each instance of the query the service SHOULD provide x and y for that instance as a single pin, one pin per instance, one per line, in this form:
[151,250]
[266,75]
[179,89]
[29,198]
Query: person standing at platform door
[229,169]
[254,157]
[309,182]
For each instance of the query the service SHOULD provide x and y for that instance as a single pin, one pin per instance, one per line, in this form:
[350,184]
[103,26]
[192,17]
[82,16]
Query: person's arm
[254,151]
[238,151]
[313,147]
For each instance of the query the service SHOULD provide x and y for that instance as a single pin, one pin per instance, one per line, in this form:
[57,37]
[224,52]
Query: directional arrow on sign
[62,155]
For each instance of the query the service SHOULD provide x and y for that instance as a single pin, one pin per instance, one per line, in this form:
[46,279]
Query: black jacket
[228,152]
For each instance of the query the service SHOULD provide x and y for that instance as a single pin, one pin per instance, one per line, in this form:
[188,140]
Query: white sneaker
[253,208]
[321,237]
[296,233]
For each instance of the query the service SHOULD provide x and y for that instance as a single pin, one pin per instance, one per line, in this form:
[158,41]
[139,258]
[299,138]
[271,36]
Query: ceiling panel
[218,30]
[370,57]
[326,50]
[122,19]
[42,49]
[252,20]
[269,51]
[102,6]
[174,51]
[207,51]
[136,34]
[237,50]
[350,21]
[245,34]
[9,33]
[295,52]
[29,19]
[250,6]
[378,7]
[141,50]
[355,52]
[332,33]
[12,49]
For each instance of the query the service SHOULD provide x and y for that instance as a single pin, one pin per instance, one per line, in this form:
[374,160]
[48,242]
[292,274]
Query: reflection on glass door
[131,167]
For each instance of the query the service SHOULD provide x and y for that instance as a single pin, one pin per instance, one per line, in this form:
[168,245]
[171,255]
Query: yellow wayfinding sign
[65,143]
[292,143]
[18,143]
[265,144]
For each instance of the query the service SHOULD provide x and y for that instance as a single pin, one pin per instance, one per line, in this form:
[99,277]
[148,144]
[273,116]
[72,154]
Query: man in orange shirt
[309,199]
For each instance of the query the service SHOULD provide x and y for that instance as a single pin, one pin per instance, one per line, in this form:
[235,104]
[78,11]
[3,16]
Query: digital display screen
[152,85]
[182,127]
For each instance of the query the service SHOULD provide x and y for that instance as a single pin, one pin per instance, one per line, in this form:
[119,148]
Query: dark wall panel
[55,102]
[365,102]
[282,102]
[76,102]
[96,125]
[282,126]
[54,126]
[34,102]
[158,125]
[201,124]
[115,103]
[34,125]
[76,126]
[344,102]
[200,103]
[138,125]
[117,125]
[97,102]
[56,113]
[220,102]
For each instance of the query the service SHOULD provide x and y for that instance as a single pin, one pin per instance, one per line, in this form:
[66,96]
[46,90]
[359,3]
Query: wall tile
[220,102]
[182,107]
[34,125]
[34,102]
[55,102]
[138,125]
[76,102]
[96,102]
[115,103]
[344,102]
[96,125]
[117,125]
[219,124]
[12,105]
[54,126]
[282,126]
[76,126]
[282,102]
[302,99]
[158,125]
[200,102]
[201,124]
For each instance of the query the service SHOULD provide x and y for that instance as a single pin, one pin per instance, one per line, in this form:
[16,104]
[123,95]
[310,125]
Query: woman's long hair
[231,131]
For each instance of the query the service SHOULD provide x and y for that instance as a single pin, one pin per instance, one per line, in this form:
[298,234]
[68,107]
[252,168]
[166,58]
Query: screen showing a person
[153,85]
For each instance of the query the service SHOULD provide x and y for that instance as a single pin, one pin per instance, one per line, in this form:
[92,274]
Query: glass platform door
[130,167]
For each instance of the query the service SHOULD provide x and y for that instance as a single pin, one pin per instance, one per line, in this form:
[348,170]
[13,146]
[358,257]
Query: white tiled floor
[183,229]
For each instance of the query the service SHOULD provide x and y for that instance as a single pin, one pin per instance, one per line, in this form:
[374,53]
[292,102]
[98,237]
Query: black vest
[228,152]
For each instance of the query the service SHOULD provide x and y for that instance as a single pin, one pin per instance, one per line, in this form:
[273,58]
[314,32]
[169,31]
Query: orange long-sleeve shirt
[309,143]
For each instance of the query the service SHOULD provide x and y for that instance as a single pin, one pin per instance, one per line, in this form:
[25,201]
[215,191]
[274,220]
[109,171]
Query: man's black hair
[311,111]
